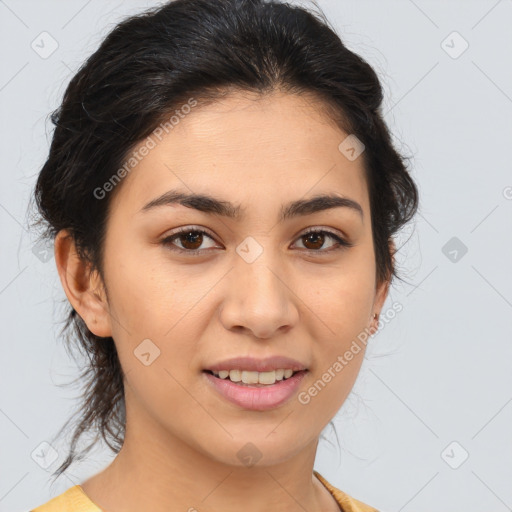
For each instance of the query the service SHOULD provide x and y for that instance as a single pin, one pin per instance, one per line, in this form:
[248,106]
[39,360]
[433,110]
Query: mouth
[255,379]
[244,389]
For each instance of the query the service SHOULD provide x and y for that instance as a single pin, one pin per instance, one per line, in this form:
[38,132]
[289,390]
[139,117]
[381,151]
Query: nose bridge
[259,285]
[258,298]
[258,282]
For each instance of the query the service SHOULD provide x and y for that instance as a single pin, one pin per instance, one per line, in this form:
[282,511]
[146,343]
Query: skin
[182,438]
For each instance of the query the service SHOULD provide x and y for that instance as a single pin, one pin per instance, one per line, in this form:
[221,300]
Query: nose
[259,299]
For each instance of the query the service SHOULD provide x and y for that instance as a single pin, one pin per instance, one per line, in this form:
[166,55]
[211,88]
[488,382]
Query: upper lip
[258,365]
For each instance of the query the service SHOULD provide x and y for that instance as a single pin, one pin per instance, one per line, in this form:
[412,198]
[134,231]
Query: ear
[84,289]
[381,293]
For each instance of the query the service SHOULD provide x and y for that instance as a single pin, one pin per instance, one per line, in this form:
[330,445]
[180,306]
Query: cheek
[148,295]
[341,302]
[159,394]
[155,319]
[342,309]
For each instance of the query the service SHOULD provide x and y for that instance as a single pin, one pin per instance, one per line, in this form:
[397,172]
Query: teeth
[266,377]
[234,375]
[250,377]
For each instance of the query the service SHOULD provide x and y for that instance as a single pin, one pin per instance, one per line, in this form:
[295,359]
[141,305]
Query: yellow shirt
[75,500]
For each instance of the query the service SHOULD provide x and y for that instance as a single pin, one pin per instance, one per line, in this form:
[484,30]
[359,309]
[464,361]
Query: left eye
[192,239]
[318,237]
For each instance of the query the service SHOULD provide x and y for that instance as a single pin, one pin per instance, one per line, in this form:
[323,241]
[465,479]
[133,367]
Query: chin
[258,450]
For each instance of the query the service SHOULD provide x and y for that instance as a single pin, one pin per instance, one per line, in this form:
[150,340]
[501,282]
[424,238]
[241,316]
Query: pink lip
[257,398]
[258,365]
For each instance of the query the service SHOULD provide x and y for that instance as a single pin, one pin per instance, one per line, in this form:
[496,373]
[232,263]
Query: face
[250,285]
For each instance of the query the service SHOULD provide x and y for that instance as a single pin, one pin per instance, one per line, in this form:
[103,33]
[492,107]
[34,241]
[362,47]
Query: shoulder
[72,500]
[346,502]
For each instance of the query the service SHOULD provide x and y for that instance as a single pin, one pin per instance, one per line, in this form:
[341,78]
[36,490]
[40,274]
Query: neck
[157,471]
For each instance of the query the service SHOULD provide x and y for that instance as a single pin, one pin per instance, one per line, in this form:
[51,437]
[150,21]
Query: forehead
[277,145]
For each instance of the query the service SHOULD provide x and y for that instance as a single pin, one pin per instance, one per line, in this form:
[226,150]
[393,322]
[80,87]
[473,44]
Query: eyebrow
[212,205]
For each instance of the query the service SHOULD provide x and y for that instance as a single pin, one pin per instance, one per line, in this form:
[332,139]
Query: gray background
[438,373]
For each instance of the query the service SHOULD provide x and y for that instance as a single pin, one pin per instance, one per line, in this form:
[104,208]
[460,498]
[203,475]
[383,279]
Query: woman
[222,192]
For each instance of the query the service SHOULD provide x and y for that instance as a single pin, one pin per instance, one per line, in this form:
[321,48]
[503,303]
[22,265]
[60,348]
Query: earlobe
[83,288]
[381,293]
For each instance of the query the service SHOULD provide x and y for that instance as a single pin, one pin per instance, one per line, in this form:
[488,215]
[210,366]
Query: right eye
[190,239]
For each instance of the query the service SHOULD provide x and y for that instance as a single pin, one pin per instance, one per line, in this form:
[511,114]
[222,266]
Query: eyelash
[342,243]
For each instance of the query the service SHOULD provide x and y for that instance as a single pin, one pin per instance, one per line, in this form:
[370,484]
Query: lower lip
[257,398]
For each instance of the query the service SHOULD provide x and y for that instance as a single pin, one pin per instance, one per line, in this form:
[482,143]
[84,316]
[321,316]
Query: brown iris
[315,236]
[194,237]
[192,240]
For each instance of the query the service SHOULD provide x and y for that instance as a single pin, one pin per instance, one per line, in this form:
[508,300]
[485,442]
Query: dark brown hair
[149,65]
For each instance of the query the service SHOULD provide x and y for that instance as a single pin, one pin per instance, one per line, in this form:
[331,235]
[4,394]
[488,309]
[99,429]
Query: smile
[245,389]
